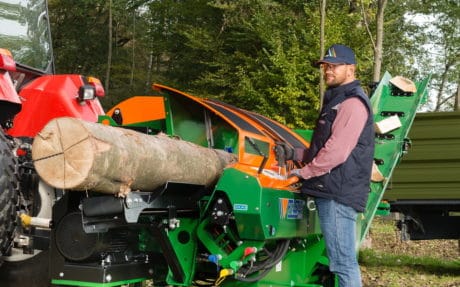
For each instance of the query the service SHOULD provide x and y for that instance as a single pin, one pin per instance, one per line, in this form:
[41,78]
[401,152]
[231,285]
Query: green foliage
[255,54]
[76,41]
[259,61]
[432,45]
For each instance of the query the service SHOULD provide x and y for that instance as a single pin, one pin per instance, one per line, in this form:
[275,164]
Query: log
[73,154]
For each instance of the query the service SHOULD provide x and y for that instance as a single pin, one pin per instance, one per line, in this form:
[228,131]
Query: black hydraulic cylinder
[102,205]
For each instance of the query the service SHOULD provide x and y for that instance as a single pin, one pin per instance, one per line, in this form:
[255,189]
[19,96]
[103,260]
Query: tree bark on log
[73,154]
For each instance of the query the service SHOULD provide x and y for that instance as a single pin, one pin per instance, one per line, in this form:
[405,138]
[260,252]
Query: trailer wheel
[9,184]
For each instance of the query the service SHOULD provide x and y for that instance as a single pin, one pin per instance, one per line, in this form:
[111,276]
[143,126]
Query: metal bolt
[311,205]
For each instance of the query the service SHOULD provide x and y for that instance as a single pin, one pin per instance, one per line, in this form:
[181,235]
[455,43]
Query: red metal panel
[49,97]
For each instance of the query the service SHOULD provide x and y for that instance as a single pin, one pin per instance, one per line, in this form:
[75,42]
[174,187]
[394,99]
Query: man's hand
[292,181]
[295,172]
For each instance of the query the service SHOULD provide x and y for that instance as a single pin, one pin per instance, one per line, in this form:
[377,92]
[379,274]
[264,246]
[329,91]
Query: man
[339,162]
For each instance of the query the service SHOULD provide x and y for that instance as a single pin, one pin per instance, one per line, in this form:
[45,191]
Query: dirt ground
[395,263]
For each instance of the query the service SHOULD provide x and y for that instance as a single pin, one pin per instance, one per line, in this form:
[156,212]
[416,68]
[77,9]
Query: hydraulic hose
[265,265]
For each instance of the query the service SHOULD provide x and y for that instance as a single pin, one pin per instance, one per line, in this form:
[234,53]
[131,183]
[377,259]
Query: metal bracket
[170,199]
[135,202]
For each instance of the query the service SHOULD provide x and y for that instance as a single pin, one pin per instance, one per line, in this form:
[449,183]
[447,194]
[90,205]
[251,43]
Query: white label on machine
[240,207]
[279,266]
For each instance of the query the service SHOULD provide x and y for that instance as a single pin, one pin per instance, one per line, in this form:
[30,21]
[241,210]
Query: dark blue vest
[348,183]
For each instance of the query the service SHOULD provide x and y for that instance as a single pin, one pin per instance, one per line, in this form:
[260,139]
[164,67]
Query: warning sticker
[291,208]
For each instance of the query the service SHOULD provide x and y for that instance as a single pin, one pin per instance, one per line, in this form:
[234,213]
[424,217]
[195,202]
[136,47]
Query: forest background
[255,54]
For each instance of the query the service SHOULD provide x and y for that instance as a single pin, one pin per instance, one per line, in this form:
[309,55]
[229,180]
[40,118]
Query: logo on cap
[331,52]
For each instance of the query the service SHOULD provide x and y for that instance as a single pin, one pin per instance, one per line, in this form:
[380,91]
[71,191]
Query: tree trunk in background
[378,48]
[131,80]
[109,52]
[442,87]
[457,104]
[148,83]
[73,154]
[322,50]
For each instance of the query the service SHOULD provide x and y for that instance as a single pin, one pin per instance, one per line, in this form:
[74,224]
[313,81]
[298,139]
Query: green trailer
[425,188]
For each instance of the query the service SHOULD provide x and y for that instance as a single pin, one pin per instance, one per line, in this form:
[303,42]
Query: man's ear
[351,70]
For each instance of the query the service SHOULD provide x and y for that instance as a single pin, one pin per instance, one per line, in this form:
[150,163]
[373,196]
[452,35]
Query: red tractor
[31,94]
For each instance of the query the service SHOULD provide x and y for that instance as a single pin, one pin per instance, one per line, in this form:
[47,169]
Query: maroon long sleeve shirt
[346,129]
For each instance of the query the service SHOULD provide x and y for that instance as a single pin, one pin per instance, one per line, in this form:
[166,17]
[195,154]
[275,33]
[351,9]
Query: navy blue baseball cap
[338,54]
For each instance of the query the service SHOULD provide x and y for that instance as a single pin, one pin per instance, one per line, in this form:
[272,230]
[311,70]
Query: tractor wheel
[8,194]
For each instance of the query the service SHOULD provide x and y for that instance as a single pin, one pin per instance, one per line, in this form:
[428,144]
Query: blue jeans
[338,224]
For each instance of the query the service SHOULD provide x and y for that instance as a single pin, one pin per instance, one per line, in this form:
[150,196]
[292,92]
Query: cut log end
[63,161]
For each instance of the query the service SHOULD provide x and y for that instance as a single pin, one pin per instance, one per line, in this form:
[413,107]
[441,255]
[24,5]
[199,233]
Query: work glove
[295,172]
[283,152]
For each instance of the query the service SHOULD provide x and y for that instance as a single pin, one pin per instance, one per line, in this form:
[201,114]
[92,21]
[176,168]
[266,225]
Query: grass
[395,263]
[372,258]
